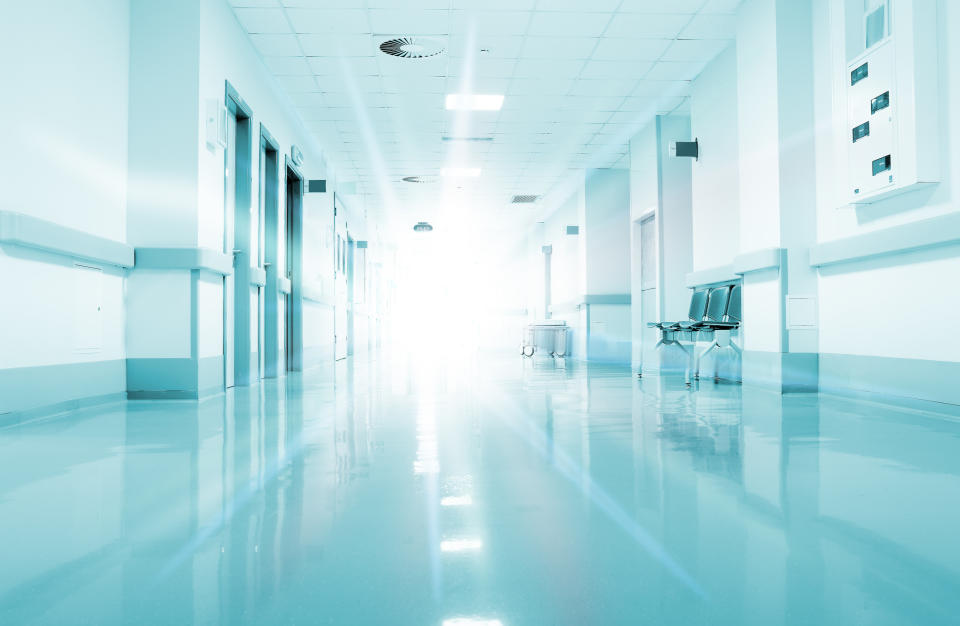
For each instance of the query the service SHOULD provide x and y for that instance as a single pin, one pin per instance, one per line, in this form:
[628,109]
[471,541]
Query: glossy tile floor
[495,491]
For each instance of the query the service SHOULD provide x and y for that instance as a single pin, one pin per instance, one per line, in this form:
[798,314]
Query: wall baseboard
[890,379]
[47,410]
[28,392]
[786,372]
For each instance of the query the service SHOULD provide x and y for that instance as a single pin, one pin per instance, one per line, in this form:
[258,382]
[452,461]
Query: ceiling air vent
[422,227]
[412,47]
[524,199]
[420,179]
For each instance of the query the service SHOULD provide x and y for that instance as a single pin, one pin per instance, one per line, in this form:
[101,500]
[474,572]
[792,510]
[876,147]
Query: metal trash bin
[548,336]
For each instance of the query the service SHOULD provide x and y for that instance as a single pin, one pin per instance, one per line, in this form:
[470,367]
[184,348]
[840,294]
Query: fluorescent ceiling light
[460,545]
[460,172]
[471,621]
[474,102]
[456,501]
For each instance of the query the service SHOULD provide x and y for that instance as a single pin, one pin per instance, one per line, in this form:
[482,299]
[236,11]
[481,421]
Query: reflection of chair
[722,318]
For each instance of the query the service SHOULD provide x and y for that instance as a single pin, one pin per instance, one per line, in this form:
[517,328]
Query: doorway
[273,300]
[341,313]
[293,265]
[351,296]
[649,311]
[236,240]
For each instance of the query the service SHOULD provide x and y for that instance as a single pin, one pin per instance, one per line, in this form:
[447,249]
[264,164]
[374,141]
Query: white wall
[64,160]
[911,289]
[675,220]
[644,199]
[606,232]
[715,175]
[758,125]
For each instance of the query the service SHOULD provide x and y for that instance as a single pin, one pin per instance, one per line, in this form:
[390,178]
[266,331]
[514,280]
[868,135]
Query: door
[351,295]
[649,311]
[293,261]
[229,244]
[341,312]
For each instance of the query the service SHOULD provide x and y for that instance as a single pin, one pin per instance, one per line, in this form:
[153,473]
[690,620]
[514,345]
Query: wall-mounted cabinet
[890,82]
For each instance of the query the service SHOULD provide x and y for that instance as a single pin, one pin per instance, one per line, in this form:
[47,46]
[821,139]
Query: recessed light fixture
[460,545]
[450,138]
[460,172]
[474,102]
[456,501]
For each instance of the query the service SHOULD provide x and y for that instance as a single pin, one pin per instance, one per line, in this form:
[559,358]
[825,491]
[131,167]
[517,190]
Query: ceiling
[579,78]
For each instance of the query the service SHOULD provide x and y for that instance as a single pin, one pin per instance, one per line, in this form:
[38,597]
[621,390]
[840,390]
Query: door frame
[270,195]
[242,173]
[293,189]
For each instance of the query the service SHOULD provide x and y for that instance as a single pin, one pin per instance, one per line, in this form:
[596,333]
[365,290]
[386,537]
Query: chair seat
[717,325]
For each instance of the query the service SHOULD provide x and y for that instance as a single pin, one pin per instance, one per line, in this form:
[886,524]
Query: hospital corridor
[480,312]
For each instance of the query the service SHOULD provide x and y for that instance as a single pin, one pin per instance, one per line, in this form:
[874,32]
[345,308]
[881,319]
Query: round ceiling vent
[412,47]
[420,179]
[422,227]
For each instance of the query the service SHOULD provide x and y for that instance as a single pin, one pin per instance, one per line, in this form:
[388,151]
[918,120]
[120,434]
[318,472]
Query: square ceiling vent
[524,199]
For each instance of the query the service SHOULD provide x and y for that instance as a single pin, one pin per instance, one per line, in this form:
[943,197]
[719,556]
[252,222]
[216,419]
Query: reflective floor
[493,490]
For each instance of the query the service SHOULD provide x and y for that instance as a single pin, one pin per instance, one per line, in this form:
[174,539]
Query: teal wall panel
[886,379]
[162,378]
[32,391]
[210,374]
[784,372]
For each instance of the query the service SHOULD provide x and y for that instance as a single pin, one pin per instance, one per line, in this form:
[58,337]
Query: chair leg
[696,373]
[739,352]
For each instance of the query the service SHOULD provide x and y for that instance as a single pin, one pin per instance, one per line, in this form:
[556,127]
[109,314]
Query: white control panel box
[872,122]
[892,101]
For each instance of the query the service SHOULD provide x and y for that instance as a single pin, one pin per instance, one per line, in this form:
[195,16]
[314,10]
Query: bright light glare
[474,102]
[471,621]
[456,501]
[460,545]
[460,172]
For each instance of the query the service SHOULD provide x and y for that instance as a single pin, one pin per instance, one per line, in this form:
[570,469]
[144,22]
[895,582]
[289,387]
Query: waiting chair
[722,318]
[672,332]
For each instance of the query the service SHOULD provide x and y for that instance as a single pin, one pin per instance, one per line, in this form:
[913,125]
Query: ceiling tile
[565,24]
[329,20]
[701,50]
[627,49]
[558,48]
[721,6]
[659,6]
[481,23]
[546,68]
[298,84]
[263,20]
[647,25]
[277,45]
[670,70]
[579,6]
[406,22]
[615,69]
[604,87]
[333,66]
[711,26]
[284,66]
[337,46]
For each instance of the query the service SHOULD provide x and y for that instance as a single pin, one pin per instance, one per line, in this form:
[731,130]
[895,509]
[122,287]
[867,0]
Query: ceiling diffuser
[412,47]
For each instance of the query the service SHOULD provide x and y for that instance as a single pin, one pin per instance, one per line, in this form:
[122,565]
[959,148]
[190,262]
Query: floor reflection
[463,489]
